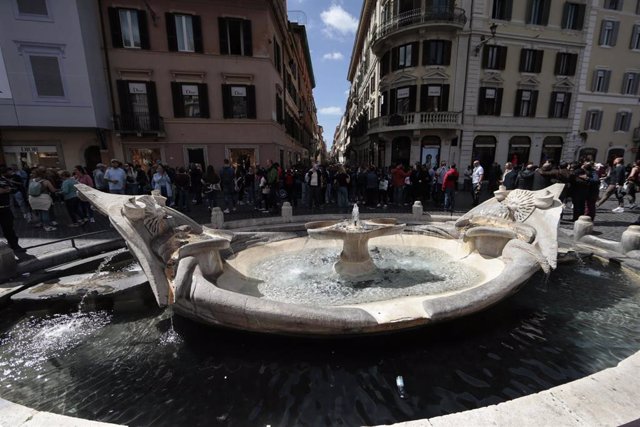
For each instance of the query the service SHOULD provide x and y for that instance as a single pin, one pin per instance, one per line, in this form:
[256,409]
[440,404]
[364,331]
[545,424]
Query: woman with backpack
[40,190]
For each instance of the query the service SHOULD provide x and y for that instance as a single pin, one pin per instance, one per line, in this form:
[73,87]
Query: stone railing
[440,119]
[455,16]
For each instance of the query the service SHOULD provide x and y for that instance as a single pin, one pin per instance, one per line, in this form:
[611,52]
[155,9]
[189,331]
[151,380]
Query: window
[235,36]
[531,60]
[502,10]
[519,148]
[593,120]
[600,82]
[279,108]
[538,12]
[184,33]
[638,7]
[404,56]
[138,106]
[33,7]
[490,101]
[526,102]
[613,4]
[559,106]
[129,28]
[635,38]
[384,64]
[405,99]
[573,16]
[609,33]
[436,52]
[434,98]
[46,76]
[190,100]
[566,64]
[494,57]
[623,121]
[630,83]
[239,101]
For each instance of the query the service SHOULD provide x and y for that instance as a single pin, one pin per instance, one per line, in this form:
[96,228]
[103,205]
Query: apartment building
[200,81]
[606,120]
[54,98]
[495,80]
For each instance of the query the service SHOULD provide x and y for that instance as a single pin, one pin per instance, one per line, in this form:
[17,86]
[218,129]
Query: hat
[100,165]
[116,161]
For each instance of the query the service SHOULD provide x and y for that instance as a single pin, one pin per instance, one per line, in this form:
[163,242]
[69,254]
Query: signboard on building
[5,90]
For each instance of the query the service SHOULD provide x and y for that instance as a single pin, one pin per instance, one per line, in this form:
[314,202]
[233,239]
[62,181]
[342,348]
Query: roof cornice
[361,35]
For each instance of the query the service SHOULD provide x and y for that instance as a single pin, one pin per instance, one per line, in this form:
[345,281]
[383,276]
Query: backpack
[35,188]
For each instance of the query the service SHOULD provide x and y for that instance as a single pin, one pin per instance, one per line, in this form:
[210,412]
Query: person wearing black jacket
[616,180]
[509,177]
[524,181]
[6,216]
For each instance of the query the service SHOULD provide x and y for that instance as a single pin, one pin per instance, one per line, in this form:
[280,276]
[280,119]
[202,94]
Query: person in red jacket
[398,175]
[449,187]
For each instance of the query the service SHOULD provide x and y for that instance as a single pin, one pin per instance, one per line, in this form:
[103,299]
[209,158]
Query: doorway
[196,155]
[401,151]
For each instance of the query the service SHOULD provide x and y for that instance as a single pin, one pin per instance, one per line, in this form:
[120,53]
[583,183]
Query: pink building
[200,81]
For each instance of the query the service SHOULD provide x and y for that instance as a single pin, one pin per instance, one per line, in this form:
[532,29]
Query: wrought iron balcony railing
[139,123]
[414,17]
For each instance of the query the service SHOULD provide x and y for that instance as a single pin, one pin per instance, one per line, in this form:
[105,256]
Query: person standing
[449,187]
[161,182]
[183,185]
[83,177]
[195,174]
[40,190]
[632,183]
[227,180]
[71,201]
[342,181]
[131,186]
[398,175]
[98,177]
[116,177]
[616,180]
[477,175]
[313,178]
[509,176]
[440,173]
[6,216]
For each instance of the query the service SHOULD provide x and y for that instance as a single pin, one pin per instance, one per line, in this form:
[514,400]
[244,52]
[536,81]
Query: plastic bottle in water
[400,384]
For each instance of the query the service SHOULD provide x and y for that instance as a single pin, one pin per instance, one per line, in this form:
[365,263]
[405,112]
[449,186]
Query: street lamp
[484,40]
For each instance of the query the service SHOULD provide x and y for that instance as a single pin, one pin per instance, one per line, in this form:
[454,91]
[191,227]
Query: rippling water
[136,370]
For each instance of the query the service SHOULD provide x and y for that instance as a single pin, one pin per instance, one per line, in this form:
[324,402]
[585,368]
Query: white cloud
[330,111]
[333,56]
[336,19]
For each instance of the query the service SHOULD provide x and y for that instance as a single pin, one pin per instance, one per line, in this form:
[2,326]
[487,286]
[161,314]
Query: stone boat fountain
[218,277]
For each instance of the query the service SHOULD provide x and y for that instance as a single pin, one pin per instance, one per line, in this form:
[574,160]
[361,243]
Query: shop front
[32,155]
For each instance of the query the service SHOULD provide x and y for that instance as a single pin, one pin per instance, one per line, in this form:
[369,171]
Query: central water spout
[355,215]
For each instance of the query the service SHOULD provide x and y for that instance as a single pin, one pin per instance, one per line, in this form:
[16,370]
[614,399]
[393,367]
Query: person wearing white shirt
[476,181]
[116,177]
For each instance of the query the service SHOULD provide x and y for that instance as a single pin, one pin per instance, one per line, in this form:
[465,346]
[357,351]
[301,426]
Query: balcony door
[138,105]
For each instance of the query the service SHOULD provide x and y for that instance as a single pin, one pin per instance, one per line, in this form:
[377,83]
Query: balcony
[139,124]
[415,121]
[410,20]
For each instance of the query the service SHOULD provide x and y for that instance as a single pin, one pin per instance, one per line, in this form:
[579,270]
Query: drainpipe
[106,61]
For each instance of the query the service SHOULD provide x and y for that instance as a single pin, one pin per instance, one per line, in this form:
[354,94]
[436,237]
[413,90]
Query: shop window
[484,150]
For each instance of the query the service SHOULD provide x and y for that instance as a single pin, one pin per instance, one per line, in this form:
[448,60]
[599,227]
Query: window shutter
[614,34]
[508,10]
[607,79]
[636,84]
[594,80]
[485,56]
[534,103]
[412,99]
[423,97]
[598,120]
[392,101]
[580,17]
[502,57]
[523,55]
[178,102]
[172,37]
[444,98]
[556,68]
[625,78]
[197,34]
[602,32]
[516,111]
[384,106]
[203,98]
[498,109]
[394,59]
[123,96]
[618,124]
[152,99]
[384,65]
[114,24]
[545,11]
[227,107]
[251,101]
[144,30]
[222,34]
[529,10]
[426,49]
[537,66]
[247,37]
[552,103]
[415,49]
[573,62]
[567,104]
[565,16]
[447,52]
[634,34]
[627,123]
[481,101]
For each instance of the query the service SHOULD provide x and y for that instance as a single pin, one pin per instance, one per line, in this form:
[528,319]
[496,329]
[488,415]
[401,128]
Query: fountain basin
[236,300]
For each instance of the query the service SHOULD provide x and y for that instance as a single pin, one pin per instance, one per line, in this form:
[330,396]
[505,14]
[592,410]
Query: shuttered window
[566,64]
[235,36]
[239,101]
[46,75]
[190,100]
[593,120]
[494,57]
[490,101]
[623,121]
[436,52]
[630,83]
[128,28]
[531,60]
[559,105]
[184,33]
[600,81]
[573,16]
[609,33]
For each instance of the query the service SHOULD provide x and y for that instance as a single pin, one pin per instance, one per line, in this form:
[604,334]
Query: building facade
[200,81]
[495,80]
[54,98]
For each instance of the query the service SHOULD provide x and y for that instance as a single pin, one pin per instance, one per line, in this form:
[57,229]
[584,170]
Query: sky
[331,27]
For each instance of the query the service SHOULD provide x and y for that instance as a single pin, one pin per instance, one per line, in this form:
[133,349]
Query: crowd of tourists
[264,188]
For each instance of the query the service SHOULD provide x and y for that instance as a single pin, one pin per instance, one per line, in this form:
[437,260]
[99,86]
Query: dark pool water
[131,369]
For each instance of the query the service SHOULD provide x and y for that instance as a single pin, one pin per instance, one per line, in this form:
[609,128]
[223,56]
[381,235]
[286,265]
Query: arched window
[519,147]
[484,150]
[551,149]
